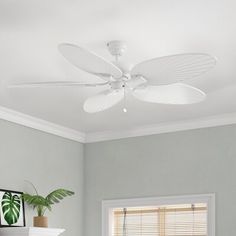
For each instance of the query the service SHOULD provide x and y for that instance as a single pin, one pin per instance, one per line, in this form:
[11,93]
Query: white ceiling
[30,31]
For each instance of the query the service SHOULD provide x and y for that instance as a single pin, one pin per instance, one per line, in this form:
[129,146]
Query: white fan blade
[103,100]
[88,61]
[174,68]
[177,93]
[56,84]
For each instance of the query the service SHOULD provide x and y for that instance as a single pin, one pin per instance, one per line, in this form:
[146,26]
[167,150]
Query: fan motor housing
[117,85]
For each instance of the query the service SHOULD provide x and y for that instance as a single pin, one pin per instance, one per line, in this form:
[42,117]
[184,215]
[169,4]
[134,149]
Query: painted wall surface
[190,162]
[49,162]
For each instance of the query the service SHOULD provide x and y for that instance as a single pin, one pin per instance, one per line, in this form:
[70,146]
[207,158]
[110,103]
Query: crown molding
[58,130]
[39,124]
[210,121]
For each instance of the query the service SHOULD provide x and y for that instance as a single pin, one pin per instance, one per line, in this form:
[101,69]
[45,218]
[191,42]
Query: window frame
[108,205]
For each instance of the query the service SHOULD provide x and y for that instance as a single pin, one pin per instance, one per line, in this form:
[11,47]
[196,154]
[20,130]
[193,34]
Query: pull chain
[124,107]
[175,222]
[193,226]
[124,222]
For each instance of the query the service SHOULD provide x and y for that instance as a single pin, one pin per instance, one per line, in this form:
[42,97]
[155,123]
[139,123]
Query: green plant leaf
[40,203]
[57,195]
[36,200]
[11,205]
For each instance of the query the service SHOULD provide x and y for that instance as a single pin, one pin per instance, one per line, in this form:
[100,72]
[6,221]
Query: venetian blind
[167,220]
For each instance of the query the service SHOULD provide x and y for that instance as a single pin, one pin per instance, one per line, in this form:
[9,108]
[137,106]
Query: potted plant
[41,204]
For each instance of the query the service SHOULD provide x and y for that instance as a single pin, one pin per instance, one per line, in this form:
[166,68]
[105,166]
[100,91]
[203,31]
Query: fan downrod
[116,48]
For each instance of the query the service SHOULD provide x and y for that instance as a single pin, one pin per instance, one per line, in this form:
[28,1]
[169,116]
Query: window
[165,216]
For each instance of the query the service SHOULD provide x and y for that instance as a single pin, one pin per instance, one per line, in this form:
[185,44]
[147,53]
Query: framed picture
[12,210]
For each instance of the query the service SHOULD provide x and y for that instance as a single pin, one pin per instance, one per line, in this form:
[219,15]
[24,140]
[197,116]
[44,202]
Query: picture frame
[11,215]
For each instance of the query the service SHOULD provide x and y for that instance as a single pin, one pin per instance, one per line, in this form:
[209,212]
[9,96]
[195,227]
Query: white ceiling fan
[159,80]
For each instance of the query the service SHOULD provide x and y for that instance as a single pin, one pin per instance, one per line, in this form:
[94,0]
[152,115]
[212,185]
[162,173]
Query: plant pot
[40,221]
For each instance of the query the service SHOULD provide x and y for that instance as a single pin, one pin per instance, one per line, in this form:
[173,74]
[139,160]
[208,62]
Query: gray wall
[49,162]
[190,162]
[196,161]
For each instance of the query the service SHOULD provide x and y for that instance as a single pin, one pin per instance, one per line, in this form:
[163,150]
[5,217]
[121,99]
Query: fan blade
[56,84]
[135,82]
[88,61]
[174,68]
[177,93]
[103,100]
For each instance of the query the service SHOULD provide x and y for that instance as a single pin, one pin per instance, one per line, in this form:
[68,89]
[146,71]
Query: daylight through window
[162,220]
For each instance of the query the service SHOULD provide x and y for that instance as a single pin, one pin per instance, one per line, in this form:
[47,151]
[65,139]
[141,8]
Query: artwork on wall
[12,212]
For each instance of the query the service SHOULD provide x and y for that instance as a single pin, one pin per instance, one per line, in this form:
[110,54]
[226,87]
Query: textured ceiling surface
[31,30]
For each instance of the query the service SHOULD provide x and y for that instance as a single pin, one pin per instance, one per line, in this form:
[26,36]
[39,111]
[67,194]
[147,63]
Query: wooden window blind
[166,220]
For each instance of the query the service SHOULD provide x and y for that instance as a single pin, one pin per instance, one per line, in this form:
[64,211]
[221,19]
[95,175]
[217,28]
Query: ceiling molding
[211,121]
[39,124]
[58,130]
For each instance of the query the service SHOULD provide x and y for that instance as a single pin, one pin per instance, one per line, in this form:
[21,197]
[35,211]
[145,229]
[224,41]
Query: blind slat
[168,220]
